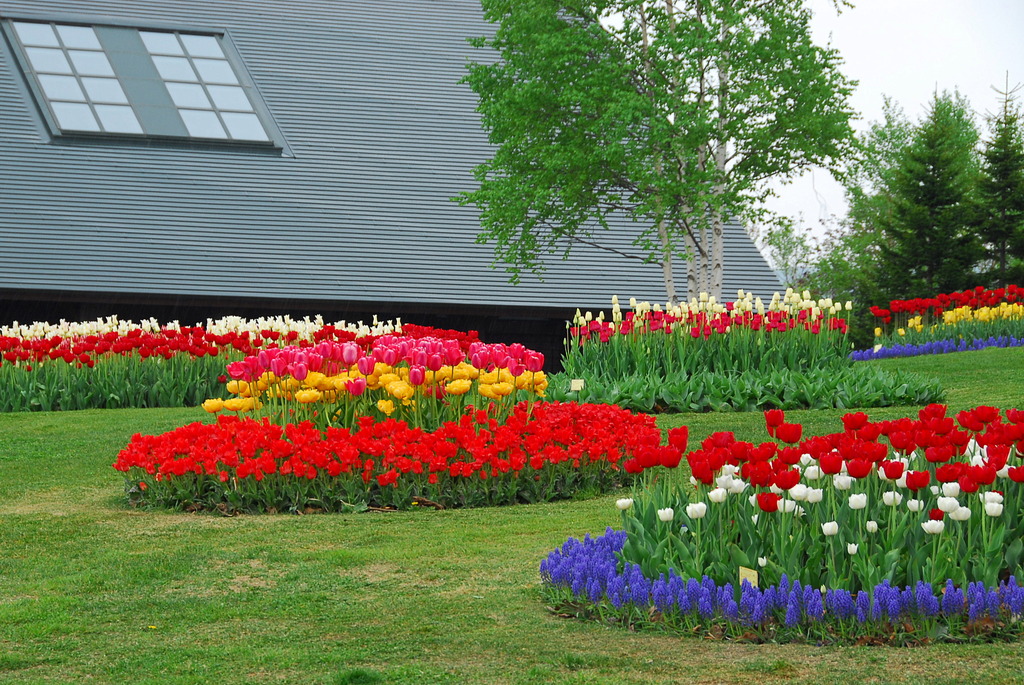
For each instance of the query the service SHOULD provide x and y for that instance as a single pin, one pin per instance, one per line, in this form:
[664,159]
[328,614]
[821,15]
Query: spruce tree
[1001,193]
[932,245]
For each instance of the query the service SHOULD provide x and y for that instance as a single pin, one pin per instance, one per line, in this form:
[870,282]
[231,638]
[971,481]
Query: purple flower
[952,600]
[863,606]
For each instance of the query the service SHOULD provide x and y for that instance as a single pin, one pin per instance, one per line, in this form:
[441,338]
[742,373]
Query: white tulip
[948,504]
[915,504]
[737,486]
[753,500]
[697,510]
[842,482]
[668,514]
[935,489]
[788,506]
[775,490]
[813,472]
[1004,472]
[871,526]
[624,503]
[994,509]
[729,470]
[830,528]
[933,527]
[718,495]
[988,497]
[951,489]
[901,482]
[851,549]
[693,481]
[858,501]
[806,459]
[814,495]
[762,561]
[724,481]
[891,499]
[961,514]
[754,519]
[799,492]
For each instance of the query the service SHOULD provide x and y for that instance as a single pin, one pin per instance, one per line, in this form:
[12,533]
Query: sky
[906,49]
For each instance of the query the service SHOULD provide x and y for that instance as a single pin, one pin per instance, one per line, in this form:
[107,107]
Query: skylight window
[138,82]
[76,78]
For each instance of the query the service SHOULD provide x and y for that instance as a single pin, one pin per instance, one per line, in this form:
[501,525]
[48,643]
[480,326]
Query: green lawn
[91,591]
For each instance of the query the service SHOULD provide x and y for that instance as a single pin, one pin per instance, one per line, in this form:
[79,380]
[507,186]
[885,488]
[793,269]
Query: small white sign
[575,385]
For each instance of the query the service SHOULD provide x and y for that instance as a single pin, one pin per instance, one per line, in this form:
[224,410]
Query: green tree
[671,113]
[930,242]
[1001,191]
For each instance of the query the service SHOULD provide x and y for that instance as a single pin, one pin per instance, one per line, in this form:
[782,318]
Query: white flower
[724,481]
[933,527]
[737,486]
[718,495]
[988,497]
[762,561]
[948,504]
[851,549]
[842,482]
[754,519]
[668,514]
[961,514]
[799,492]
[858,501]
[814,495]
[830,528]
[729,470]
[872,526]
[775,490]
[806,460]
[1004,472]
[951,489]
[935,489]
[788,506]
[697,510]
[813,472]
[915,504]
[891,499]
[624,503]
[901,482]
[994,509]
[753,500]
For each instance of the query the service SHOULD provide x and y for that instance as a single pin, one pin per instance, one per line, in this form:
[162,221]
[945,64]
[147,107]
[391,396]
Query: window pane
[36,34]
[118,119]
[202,124]
[79,37]
[189,95]
[161,43]
[244,126]
[174,69]
[230,97]
[48,59]
[61,87]
[74,117]
[202,46]
[104,90]
[216,71]
[91,63]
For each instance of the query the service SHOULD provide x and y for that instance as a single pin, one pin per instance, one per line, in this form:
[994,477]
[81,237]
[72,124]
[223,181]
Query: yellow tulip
[238,404]
[503,389]
[213,405]
[238,388]
[459,386]
[307,395]
[386,407]
[487,390]
[400,390]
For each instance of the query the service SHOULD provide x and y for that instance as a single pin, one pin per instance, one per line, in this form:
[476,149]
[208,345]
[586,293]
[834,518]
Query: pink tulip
[417,375]
[366,365]
[356,386]
[350,353]
[299,371]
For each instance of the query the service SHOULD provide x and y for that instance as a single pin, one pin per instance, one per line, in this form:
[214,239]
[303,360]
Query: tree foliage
[668,116]
[1001,192]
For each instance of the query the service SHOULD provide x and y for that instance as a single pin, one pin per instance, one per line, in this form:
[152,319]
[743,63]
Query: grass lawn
[91,591]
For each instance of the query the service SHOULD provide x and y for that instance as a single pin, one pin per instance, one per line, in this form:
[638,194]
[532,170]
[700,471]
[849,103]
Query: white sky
[906,49]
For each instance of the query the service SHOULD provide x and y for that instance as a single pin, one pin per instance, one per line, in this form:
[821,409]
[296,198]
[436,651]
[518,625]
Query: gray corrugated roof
[382,136]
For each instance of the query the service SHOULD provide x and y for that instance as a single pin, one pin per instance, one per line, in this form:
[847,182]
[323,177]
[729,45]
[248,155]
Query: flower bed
[540,453]
[426,381]
[586,578]
[969,320]
[741,356]
[886,515]
[110,363]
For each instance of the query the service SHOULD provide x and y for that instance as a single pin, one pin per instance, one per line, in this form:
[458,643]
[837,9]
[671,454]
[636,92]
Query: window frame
[10,40]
